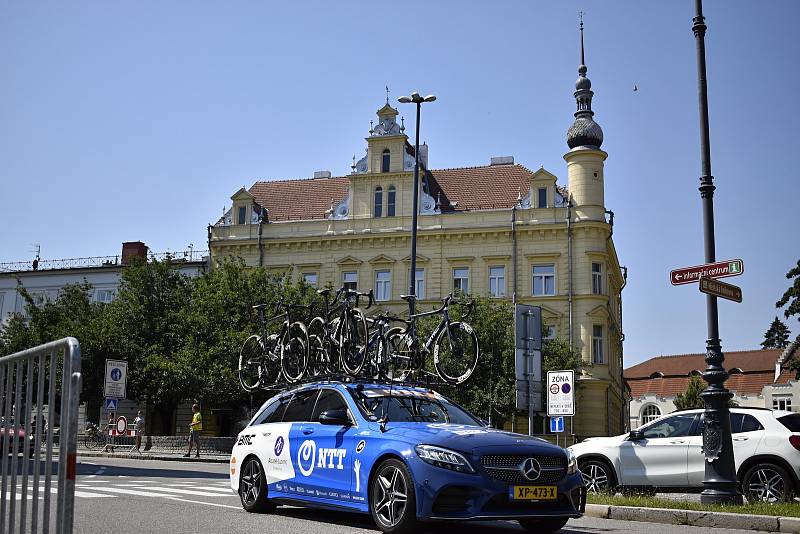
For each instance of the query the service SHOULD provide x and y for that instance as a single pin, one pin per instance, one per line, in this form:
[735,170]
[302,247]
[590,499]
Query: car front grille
[505,467]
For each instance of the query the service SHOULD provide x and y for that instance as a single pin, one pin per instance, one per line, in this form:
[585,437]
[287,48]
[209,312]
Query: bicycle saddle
[408,298]
[324,292]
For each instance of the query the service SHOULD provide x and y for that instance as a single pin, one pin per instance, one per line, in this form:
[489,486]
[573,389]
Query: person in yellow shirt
[194,431]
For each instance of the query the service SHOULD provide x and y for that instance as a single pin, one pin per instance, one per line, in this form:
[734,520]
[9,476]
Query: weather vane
[387,94]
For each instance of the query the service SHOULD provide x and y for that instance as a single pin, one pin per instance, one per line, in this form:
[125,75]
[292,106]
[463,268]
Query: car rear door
[660,459]
[746,433]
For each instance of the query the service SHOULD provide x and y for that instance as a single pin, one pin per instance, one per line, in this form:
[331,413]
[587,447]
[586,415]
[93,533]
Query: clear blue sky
[137,121]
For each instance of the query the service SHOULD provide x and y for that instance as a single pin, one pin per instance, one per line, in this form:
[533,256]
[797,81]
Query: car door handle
[308,431]
[677,442]
[743,438]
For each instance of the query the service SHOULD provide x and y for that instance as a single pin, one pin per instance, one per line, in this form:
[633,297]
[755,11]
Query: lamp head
[430,98]
[404,100]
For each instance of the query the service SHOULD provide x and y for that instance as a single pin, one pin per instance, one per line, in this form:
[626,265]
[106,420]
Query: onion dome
[584,131]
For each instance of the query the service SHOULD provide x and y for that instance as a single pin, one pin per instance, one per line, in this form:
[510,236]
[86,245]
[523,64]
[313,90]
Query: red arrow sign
[720,269]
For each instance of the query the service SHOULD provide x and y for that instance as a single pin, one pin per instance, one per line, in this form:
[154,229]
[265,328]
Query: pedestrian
[194,431]
[109,437]
[139,422]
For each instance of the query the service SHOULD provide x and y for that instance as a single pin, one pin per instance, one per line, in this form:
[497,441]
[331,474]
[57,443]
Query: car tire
[766,482]
[391,484]
[543,525]
[253,487]
[598,476]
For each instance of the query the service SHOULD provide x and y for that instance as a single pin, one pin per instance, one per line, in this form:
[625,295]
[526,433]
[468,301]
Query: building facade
[758,379]
[499,230]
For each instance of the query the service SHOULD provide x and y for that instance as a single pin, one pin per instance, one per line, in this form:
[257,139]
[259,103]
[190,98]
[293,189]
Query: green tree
[690,398]
[792,295]
[777,336]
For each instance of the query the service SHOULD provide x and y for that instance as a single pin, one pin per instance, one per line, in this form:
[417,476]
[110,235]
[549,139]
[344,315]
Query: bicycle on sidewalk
[266,358]
[454,345]
[338,337]
[93,437]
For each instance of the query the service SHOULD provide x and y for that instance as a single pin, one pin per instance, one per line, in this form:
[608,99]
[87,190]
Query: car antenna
[385,418]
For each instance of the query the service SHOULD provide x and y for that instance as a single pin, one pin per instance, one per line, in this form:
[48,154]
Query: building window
[650,413]
[461,279]
[385,160]
[350,280]
[597,279]
[241,218]
[390,199]
[497,281]
[310,279]
[104,295]
[597,344]
[378,201]
[542,197]
[419,283]
[383,285]
[544,280]
[782,403]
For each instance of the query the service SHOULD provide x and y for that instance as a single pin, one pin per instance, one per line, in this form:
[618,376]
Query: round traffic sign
[554,389]
[116,374]
[565,387]
[122,425]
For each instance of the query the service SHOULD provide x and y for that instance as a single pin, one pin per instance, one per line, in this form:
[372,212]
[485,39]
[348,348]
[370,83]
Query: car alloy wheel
[392,499]
[253,487]
[595,477]
[766,483]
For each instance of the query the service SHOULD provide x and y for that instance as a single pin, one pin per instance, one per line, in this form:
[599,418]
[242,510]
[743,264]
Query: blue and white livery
[402,454]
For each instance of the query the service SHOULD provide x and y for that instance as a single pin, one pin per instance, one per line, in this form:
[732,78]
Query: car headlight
[572,462]
[444,458]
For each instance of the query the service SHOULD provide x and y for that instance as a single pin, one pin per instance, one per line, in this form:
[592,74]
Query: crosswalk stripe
[135,492]
[186,491]
[86,494]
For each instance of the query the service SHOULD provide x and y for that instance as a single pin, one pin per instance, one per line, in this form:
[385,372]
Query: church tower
[585,159]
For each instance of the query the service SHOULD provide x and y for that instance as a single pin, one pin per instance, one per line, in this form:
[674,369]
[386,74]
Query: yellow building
[499,230]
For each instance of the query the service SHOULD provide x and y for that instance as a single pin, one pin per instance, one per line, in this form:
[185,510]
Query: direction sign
[721,289]
[111,404]
[720,269]
[561,393]
[116,378]
[556,424]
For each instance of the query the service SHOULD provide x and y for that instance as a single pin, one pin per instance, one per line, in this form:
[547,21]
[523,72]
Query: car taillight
[795,441]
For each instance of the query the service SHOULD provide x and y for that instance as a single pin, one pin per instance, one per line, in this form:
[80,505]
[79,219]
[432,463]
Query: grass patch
[642,501]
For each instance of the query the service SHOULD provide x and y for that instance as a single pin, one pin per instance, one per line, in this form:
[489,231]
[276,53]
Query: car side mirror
[636,435]
[335,417]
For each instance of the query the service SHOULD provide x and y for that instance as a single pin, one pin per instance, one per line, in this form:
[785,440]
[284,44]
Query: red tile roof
[757,370]
[472,188]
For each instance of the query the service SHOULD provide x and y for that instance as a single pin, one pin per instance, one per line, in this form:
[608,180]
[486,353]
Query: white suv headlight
[572,462]
[445,458]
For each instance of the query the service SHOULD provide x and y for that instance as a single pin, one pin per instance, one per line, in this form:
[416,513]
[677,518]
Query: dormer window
[378,201]
[385,158]
[241,217]
[390,200]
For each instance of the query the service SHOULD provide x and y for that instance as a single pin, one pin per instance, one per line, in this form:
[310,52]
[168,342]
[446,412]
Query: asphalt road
[120,495]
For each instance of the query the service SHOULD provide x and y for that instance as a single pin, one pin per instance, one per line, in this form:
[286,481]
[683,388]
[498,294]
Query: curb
[760,523]
[145,456]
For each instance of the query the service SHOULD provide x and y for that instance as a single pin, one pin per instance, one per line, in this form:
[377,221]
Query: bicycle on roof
[454,345]
[266,358]
[338,337]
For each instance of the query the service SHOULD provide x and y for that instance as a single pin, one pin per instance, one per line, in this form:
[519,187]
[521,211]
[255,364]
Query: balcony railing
[96,261]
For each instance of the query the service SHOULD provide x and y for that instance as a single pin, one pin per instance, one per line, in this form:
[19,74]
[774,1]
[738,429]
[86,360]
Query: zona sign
[720,269]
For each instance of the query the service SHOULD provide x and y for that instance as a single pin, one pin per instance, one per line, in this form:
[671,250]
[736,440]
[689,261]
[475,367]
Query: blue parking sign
[556,424]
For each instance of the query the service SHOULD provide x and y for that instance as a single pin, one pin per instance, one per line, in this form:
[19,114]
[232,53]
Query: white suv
[666,455]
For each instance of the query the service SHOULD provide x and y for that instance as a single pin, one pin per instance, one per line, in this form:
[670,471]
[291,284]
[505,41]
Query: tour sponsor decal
[279,446]
[310,457]
[357,469]
[320,492]
[360,446]
[278,466]
[246,439]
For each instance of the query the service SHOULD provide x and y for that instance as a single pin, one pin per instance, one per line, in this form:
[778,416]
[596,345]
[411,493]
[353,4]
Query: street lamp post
[415,98]
[719,483]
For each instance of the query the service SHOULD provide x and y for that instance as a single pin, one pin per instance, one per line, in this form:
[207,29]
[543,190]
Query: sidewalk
[162,456]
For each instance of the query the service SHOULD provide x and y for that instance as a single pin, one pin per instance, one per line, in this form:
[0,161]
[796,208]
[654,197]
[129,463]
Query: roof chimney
[502,160]
[322,174]
[133,249]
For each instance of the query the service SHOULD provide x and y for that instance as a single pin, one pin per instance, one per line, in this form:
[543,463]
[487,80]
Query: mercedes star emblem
[530,469]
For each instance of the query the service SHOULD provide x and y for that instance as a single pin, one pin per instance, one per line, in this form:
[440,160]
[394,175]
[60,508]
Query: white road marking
[206,503]
[135,492]
[185,491]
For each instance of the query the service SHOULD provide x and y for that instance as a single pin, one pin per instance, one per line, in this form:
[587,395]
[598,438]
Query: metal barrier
[26,447]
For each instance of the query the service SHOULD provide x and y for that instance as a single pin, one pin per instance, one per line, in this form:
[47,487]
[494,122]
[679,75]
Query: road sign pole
[720,475]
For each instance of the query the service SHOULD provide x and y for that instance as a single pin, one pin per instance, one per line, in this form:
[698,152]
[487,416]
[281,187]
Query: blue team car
[403,454]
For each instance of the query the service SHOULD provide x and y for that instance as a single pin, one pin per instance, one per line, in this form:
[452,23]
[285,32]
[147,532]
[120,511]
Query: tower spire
[584,131]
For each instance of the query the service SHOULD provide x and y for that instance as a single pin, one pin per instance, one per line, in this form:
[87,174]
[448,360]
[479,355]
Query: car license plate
[533,493]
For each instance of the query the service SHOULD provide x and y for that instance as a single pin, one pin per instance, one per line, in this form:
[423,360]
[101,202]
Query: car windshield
[792,422]
[410,406]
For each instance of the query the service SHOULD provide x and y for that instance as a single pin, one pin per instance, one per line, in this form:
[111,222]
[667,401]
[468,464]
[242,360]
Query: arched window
[385,160]
[651,412]
[390,202]
[657,374]
[378,201]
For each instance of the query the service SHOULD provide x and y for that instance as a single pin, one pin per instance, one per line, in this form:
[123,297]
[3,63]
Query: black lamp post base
[720,494]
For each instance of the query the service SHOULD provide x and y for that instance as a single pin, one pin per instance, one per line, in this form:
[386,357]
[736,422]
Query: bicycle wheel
[88,441]
[455,356]
[353,342]
[399,355]
[250,363]
[318,359]
[294,352]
